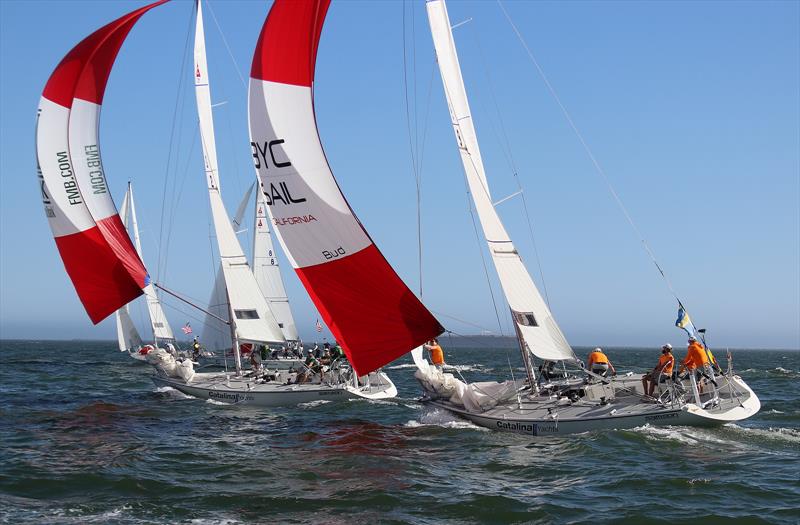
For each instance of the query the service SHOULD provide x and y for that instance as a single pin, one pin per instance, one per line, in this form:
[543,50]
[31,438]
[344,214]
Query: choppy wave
[777,433]
[442,418]
[315,403]
[170,392]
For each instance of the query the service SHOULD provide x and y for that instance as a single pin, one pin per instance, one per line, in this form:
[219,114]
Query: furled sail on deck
[128,337]
[267,271]
[370,311]
[158,321]
[78,205]
[252,317]
[531,315]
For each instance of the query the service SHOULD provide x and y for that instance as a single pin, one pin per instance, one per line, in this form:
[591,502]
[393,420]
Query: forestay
[370,311]
[535,323]
[252,318]
[78,205]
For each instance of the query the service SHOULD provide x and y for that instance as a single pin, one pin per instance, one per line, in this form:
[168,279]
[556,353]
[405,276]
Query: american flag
[319,326]
[187,329]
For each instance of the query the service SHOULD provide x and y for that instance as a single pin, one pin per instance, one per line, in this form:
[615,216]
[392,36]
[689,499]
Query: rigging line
[412,150]
[463,321]
[508,153]
[169,151]
[177,200]
[194,318]
[588,151]
[225,41]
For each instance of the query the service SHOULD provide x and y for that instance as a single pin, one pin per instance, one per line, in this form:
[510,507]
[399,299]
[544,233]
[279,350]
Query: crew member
[698,358]
[661,371]
[599,363]
[195,349]
[436,353]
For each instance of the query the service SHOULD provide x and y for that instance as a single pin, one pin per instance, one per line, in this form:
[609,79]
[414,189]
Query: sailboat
[216,336]
[577,401]
[127,335]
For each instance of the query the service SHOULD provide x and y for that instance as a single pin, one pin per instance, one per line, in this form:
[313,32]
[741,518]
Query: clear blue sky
[692,108]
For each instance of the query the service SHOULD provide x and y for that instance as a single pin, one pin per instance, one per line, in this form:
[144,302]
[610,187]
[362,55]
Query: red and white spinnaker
[370,311]
[97,252]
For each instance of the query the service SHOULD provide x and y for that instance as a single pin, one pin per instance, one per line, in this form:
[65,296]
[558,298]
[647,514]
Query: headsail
[370,311]
[267,272]
[252,318]
[158,321]
[81,213]
[532,317]
[128,337]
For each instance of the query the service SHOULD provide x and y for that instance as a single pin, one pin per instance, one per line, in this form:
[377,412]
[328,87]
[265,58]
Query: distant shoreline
[491,343]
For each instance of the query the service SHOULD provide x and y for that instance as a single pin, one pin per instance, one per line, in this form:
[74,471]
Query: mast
[536,328]
[250,316]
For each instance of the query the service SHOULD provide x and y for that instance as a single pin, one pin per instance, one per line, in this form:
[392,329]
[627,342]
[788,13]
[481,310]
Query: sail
[158,321]
[239,217]
[216,334]
[370,311]
[267,271]
[536,325]
[78,205]
[127,336]
[252,317]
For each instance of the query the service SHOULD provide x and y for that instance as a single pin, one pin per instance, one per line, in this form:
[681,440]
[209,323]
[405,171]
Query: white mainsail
[252,319]
[535,324]
[158,321]
[267,272]
[127,335]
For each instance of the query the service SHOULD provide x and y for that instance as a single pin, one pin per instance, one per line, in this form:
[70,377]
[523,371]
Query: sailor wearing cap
[661,372]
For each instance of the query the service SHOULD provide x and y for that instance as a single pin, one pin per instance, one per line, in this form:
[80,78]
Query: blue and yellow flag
[684,321]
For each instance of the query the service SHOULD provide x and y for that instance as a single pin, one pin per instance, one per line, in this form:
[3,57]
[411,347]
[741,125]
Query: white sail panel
[537,326]
[267,271]
[251,317]
[158,321]
[216,335]
[239,217]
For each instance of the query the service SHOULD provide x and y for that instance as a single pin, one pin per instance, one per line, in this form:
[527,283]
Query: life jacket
[437,355]
[597,358]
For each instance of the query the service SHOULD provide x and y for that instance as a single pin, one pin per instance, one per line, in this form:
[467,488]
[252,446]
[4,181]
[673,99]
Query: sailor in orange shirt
[599,363]
[696,356]
[661,372]
[436,353]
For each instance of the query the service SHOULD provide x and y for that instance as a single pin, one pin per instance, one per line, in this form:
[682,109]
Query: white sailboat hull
[233,390]
[541,416]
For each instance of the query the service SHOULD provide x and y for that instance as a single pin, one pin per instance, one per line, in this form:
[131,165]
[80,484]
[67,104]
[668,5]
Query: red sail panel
[368,308]
[287,47]
[97,253]
[100,279]
[372,313]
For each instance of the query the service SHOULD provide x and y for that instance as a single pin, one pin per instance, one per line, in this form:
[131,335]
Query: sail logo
[281,193]
[70,186]
[96,176]
[260,154]
[338,252]
[289,221]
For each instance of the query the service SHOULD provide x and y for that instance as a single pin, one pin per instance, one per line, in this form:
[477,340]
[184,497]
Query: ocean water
[85,437]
